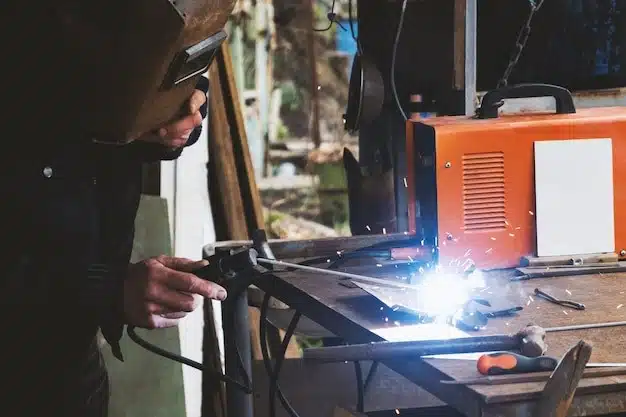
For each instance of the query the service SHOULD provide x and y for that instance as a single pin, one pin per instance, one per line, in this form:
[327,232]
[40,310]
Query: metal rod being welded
[388,350]
[355,277]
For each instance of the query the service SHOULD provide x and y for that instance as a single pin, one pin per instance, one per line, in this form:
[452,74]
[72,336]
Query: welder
[68,206]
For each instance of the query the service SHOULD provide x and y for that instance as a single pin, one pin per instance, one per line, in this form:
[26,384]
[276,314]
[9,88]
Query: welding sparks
[620,306]
[531,213]
[443,294]
[384,231]
[512,234]
[568,292]
[489,250]
[368,228]
[397,411]
[492,238]
[565,312]
[405,183]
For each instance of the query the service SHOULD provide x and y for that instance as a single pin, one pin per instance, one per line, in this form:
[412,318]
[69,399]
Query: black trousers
[60,386]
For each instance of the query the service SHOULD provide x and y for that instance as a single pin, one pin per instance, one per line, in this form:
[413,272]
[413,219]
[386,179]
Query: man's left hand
[176,134]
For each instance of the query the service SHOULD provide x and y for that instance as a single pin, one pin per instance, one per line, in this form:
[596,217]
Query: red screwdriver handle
[501,363]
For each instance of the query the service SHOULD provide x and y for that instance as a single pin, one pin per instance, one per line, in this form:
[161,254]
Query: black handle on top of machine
[492,100]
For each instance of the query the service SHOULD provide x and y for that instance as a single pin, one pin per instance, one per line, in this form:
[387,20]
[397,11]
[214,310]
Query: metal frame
[471,17]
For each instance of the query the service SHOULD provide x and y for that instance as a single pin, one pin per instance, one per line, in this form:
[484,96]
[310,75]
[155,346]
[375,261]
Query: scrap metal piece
[559,391]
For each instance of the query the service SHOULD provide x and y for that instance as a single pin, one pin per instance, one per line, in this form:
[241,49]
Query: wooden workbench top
[357,317]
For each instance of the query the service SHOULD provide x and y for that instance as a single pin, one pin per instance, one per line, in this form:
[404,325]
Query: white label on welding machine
[574,197]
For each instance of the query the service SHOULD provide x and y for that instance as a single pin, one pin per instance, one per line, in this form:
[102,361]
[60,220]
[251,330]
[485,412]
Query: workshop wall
[145,385]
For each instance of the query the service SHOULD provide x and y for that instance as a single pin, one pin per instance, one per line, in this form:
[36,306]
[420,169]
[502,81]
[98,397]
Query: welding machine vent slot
[484,205]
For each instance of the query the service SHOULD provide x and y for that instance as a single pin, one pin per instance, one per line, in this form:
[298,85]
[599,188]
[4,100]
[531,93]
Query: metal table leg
[237,343]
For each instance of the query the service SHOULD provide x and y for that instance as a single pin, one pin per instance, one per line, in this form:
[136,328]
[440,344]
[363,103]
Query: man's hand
[158,292]
[176,134]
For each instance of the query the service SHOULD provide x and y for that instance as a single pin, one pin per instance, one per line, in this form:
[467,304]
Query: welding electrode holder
[233,270]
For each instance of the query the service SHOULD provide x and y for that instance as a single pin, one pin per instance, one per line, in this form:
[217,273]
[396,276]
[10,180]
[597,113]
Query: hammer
[529,341]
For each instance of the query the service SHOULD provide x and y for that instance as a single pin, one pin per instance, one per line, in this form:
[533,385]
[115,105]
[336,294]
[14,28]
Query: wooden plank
[247,181]
[225,187]
[227,204]
[292,249]
[244,212]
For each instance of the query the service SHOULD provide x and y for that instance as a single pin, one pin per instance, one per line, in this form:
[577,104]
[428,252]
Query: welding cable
[268,364]
[247,388]
[363,387]
[393,60]
[280,359]
[356,39]
[360,388]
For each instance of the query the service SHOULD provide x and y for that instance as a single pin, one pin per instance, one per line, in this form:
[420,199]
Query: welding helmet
[113,69]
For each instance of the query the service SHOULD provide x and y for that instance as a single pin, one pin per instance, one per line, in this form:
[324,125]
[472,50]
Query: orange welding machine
[472,181]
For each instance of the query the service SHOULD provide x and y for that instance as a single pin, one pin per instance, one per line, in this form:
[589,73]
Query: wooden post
[235,201]
[315,105]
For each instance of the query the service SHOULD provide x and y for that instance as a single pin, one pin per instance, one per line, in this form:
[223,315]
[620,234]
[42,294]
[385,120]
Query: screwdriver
[501,363]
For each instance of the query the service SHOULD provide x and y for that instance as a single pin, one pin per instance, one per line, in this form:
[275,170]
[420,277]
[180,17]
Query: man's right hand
[159,291]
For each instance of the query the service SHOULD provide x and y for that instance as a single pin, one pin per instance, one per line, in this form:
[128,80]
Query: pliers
[564,303]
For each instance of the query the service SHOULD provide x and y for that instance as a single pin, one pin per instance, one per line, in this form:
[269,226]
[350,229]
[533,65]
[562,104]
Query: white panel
[184,182]
[574,197]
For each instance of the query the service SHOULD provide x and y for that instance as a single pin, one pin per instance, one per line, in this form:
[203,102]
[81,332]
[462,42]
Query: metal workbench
[356,317]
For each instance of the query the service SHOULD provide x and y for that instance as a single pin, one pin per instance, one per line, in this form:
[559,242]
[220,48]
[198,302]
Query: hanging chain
[520,43]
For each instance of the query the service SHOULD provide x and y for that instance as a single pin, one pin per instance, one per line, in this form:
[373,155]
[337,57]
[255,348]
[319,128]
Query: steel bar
[585,326]
[355,277]
[390,350]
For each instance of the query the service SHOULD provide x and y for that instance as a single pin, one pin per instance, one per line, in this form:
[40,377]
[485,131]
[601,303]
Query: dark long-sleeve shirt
[67,213]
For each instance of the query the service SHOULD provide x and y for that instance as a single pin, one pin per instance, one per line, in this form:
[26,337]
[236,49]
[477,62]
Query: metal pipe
[237,347]
[389,350]
[355,277]
[585,326]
